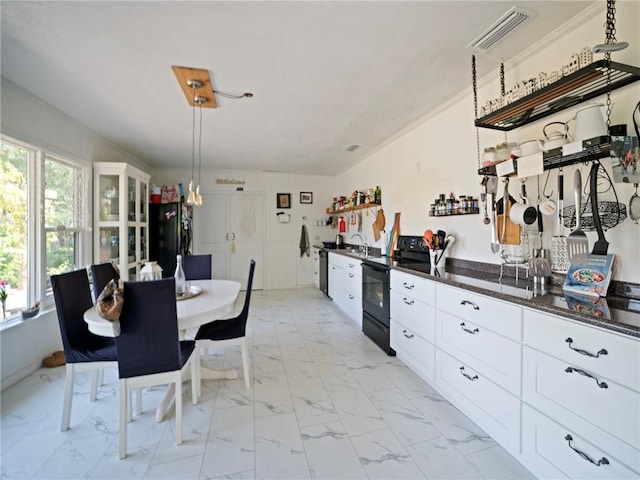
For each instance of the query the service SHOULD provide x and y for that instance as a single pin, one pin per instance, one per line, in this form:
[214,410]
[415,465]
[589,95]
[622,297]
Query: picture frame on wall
[306,197]
[283,200]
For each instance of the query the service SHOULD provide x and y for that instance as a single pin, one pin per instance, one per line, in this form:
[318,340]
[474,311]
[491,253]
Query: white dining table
[215,302]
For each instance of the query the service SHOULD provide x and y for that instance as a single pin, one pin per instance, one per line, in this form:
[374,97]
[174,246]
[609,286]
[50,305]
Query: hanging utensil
[505,209]
[492,188]
[577,241]
[428,239]
[483,199]
[634,206]
[559,257]
[547,206]
[601,246]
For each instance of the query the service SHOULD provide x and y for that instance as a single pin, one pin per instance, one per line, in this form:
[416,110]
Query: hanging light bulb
[198,196]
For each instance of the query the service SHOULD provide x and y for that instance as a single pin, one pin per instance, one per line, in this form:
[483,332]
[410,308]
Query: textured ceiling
[324,74]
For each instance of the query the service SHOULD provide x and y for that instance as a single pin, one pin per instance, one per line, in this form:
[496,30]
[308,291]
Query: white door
[231,227]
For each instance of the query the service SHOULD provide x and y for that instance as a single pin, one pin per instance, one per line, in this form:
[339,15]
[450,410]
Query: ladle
[634,206]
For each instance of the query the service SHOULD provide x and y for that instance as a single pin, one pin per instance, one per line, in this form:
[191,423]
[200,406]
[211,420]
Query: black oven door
[375,292]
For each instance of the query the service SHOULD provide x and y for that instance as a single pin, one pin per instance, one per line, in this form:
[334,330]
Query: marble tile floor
[325,402]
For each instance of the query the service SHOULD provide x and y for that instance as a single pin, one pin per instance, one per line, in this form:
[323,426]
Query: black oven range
[376,289]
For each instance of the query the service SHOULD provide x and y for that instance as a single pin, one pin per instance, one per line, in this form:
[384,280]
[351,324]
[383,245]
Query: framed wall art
[306,197]
[283,200]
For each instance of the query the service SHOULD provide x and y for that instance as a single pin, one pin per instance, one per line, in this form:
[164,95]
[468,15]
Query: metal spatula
[577,241]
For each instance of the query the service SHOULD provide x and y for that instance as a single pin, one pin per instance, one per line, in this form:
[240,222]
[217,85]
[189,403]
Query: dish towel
[304,242]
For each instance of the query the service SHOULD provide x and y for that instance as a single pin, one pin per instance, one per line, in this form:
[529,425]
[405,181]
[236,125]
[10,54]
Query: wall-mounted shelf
[584,84]
[353,208]
[468,211]
[555,159]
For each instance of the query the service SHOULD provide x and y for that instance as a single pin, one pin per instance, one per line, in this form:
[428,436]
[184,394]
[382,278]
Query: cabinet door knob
[602,461]
[586,374]
[472,332]
[467,302]
[602,351]
[467,376]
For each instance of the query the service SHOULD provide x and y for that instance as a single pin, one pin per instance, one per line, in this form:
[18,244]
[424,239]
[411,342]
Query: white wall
[284,268]
[438,154]
[28,119]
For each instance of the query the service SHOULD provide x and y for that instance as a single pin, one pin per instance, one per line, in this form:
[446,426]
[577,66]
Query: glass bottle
[181,281]
[378,196]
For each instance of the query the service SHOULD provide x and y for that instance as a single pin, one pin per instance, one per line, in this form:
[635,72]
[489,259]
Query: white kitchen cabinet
[121,204]
[551,450]
[496,356]
[336,280]
[231,227]
[478,360]
[490,406]
[345,285]
[499,316]
[589,385]
[530,379]
[316,267]
[413,322]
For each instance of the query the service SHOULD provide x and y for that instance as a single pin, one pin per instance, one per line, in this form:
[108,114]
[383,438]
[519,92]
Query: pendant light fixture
[200,101]
[194,85]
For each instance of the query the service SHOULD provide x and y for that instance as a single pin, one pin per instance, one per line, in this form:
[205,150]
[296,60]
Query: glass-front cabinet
[121,217]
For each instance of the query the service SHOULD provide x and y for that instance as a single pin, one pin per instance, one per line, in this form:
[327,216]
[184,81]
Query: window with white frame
[43,205]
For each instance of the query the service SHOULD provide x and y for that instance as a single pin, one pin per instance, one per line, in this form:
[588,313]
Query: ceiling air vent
[351,148]
[500,28]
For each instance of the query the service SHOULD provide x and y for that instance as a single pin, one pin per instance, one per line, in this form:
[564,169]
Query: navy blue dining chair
[83,351]
[197,267]
[102,273]
[149,349]
[228,331]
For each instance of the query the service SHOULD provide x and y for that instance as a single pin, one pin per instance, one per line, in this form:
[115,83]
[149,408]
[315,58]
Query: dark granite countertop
[615,313]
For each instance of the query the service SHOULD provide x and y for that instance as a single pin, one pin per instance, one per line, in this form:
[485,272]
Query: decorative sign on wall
[306,197]
[283,200]
[230,181]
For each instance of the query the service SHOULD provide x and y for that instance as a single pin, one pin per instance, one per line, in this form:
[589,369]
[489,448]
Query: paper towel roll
[385,242]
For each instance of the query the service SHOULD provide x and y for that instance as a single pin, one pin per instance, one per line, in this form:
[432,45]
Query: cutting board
[512,236]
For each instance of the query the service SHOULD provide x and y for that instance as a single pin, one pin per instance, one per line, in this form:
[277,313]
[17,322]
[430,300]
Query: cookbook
[589,274]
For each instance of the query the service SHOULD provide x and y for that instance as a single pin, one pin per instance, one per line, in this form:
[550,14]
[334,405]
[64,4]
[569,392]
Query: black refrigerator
[170,234]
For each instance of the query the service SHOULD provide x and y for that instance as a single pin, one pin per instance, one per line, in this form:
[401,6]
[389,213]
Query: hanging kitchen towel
[304,242]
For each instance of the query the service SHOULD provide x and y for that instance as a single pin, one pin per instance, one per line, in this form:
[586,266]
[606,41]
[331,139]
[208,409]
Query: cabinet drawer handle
[602,351]
[351,275]
[586,374]
[467,376]
[407,286]
[602,461]
[472,332]
[467,302]
[351,297]
[408,302]
[404,332]
[351,265]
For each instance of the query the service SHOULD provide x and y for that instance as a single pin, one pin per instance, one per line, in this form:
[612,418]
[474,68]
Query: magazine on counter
[589,275]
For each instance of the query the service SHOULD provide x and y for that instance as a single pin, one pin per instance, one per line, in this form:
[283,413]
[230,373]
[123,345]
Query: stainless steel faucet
[364,248]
